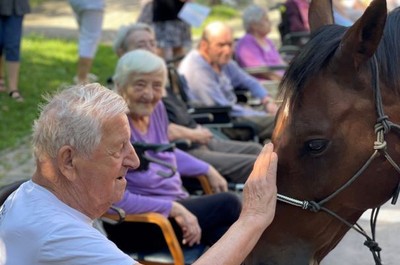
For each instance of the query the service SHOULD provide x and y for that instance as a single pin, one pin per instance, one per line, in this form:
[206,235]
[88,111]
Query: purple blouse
[249,53]
[147,191]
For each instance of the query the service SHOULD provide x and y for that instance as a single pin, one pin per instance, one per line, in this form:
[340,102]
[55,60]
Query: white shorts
[90,22]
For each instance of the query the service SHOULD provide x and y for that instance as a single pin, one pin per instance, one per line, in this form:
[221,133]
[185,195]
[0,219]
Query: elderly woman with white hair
[139,78]
[255,49]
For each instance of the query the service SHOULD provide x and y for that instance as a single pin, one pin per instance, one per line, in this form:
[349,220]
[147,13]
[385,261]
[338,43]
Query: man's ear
[65,161]
[203,45]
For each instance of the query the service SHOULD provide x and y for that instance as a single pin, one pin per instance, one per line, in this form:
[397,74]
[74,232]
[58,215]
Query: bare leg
[2,81]
[90,27]
[84,66]
[13,75]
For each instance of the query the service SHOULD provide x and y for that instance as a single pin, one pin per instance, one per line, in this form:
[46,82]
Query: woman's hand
[201,135]
[188,222]
[218,183]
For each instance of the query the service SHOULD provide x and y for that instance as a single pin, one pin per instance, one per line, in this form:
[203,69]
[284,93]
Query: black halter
[382,127]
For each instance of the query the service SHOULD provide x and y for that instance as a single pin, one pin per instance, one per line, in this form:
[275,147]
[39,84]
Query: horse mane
[322,46]
[388,53]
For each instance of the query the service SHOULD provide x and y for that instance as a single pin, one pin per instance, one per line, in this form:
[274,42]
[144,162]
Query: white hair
[138,62]
[252,14]
[74,117]
[125,31]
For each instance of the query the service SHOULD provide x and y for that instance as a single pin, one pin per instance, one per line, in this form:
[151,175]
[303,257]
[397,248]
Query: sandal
[15,95]
[2,85]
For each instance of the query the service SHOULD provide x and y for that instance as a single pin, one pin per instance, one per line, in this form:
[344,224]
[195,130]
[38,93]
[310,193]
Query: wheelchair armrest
[242,95]
[264,69]
[299,38]
[292,49]
[183,144]
[115,218]
[220,114]
[145,160]
[202,117]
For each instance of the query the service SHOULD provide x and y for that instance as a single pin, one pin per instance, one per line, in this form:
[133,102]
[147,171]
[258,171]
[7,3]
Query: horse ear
[320,14]
[362,39]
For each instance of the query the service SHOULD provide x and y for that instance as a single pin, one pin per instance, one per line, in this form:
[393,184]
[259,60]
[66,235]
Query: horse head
[331,136]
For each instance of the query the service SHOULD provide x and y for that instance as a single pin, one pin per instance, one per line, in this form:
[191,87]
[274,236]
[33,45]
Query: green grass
[47,65]
[35,3]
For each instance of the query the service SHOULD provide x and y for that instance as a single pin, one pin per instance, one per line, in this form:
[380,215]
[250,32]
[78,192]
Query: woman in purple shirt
[255,49]
[140,78]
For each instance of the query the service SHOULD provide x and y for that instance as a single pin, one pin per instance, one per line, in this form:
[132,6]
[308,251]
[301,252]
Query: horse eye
[316,146]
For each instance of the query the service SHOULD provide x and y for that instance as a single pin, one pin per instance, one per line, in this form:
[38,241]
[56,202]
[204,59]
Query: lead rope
[382,127]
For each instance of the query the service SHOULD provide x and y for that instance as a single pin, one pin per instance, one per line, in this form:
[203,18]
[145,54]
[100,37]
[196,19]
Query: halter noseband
[381,128]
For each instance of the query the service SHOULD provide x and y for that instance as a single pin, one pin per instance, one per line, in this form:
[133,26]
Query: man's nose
[132,160]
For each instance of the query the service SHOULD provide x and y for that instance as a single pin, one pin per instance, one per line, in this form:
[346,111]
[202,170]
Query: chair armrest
[296,38]
[213,109]
[164,224]
[254,70]
[183,144]
[198,185]
[205,184]
[292,49]
[220,114]
[203,117]
[145,160]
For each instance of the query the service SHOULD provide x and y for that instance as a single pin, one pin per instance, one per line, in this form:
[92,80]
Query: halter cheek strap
[382,127]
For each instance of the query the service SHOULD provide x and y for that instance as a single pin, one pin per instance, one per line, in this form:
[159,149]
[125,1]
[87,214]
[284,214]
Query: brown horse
[336,135]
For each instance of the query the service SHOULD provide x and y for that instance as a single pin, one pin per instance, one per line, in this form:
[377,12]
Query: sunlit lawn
[47,65]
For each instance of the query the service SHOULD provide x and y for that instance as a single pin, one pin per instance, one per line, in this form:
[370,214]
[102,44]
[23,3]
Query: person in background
[255,49]
[233,159]
[81,143]
[346,12]
[297,14]
[146,12]
[172,34]
[89,16]
[212,76]
[12,13]
[139,78]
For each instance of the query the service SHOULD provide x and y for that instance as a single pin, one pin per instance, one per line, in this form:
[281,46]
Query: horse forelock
[388,53]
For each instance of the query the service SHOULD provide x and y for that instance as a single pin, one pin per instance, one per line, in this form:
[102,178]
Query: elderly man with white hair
[82,148]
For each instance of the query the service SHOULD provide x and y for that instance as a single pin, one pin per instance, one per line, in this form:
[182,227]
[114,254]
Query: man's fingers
[263,161]
[273,165]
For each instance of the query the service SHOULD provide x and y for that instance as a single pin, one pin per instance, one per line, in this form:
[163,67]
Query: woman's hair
[138,62]
[75,117]
[125,31]
[252,14]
